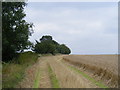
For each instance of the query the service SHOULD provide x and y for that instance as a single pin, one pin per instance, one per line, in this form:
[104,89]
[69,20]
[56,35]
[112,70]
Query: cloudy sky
[85,27]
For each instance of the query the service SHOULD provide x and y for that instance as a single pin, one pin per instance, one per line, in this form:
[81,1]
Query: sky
[85,27]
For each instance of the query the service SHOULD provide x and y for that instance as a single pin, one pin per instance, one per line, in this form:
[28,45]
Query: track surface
[37,76]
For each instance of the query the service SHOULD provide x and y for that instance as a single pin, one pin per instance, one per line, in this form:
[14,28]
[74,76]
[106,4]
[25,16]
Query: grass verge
[54,81]
[13,72]
[37,80]
[98,83]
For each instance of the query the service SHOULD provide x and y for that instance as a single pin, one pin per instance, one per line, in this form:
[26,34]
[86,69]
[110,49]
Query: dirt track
[37,76]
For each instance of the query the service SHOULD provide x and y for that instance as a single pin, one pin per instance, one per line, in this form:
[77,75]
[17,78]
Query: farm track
[39,76]
[44,78]
[67,77]
[36,76]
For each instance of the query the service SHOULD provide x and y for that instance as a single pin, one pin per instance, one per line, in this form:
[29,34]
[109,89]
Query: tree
[44,48]
[15,30]
[44,38]
[47,45]
[63,49]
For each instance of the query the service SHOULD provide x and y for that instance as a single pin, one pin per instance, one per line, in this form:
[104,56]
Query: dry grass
[30,76]
[37,75]
[104,66]
[45,80]
[13,72]
[68,78]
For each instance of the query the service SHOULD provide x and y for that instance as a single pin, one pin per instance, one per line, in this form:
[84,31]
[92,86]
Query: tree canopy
[15,30]
[48,45]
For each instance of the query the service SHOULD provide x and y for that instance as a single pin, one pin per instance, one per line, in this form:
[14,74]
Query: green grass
[54,81]
[13,72]
[98,83]
[37,80]
[27,58]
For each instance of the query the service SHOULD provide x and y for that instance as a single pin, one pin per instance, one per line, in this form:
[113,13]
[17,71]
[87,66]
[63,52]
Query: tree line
[16,31]
[48,45]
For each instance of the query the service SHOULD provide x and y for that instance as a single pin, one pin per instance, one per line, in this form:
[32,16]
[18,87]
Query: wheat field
[72,71]
[103,66]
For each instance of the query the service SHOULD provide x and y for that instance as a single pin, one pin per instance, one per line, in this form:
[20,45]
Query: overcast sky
[86,28]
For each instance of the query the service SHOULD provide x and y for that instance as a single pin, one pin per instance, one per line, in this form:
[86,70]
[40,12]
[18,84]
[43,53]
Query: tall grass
[13,72]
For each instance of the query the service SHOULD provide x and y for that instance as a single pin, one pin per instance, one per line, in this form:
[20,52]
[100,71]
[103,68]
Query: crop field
[103,67]
[71,71]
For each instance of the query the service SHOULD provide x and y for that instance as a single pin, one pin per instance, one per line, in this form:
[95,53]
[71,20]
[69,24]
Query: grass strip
[98,83]
[54,81]
[13,71]
[37,80]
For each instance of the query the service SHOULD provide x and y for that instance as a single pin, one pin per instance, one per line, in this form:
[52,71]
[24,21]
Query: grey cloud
[92,30]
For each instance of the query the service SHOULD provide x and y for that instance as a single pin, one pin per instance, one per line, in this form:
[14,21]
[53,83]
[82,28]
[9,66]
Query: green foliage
[13,73]
[27,58]
[15,30]
[47,45]
[44,38]
[63,49]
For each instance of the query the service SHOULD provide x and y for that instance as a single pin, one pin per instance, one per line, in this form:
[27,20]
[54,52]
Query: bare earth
[67,78]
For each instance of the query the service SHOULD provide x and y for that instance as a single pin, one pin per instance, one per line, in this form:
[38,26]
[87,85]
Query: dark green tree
[47,45]
[63,49]
[15,30]
[44,38]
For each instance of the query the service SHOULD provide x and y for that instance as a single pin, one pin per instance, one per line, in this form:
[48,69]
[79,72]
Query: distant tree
[44,48]
[63,49]
[47,45]
[47,37]
[15,30]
